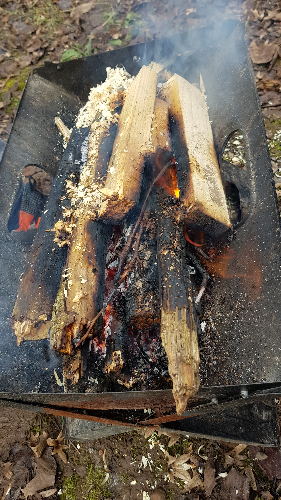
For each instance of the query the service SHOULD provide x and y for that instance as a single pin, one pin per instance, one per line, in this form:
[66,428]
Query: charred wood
[39,286]
[178,316]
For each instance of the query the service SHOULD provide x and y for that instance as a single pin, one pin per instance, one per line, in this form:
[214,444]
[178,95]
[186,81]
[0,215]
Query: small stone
[158,494]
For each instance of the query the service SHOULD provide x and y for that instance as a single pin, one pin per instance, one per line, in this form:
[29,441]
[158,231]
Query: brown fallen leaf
[259,454]
[40,447]
[273,14]
[148,431]
[194,482]
[24,61]
[238,459]
[8,69]
[48,493]
[58,447]
[45,475]
[23,28]
[5,471]
[270,98]
[81,9]
[235,486]
[248,471]
[266,495]
[262,53]
[179,466]
[209,479]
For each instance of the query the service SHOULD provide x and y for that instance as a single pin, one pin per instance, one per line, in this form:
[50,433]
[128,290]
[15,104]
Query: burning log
[142,295]
[178,320]
[200,184]
[132,143]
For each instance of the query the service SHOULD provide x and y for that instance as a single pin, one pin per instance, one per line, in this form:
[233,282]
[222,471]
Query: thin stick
[74,447]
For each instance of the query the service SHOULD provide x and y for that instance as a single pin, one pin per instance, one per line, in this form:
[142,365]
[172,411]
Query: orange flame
[168,180]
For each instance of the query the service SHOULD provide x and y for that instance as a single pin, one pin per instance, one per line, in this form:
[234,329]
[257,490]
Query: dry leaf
[179,466]
[235,486]
[174,437]
[209,479]
[270,98]
[262,53]
[260,456]
[78,11]
[148,431]
[40,447]
[228,460]
[249,473]
[238,459]
[273,14]
[266,495]
[48,493]
[200,455]
[23,28]
[45,475]
[195,482]
[58,447]
[5,470]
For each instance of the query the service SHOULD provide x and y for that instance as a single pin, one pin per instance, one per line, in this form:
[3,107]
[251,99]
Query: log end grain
[179,338]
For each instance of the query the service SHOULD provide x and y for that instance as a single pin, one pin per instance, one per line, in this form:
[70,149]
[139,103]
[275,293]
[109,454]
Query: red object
[188,239]
[25,220]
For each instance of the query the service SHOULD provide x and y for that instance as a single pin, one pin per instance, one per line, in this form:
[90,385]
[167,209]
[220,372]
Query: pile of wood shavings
[99,113]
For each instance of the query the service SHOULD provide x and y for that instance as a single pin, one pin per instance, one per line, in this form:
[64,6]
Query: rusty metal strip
[91,418]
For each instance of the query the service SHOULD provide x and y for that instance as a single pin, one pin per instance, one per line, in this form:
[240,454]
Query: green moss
[96,483]
[94,487]
[69,487]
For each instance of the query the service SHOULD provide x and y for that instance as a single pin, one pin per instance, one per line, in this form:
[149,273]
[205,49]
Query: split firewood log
[40,282]
[132,143]
[198,170]
[178,316]
[142,295]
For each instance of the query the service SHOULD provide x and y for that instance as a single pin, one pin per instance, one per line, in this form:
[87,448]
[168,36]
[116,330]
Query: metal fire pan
[242,316]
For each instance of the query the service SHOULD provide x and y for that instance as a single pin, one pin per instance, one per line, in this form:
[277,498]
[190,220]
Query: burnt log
[178,317]
[40,283]
[80,296]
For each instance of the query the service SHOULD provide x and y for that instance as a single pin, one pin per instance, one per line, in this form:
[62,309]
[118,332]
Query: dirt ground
[35,462]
